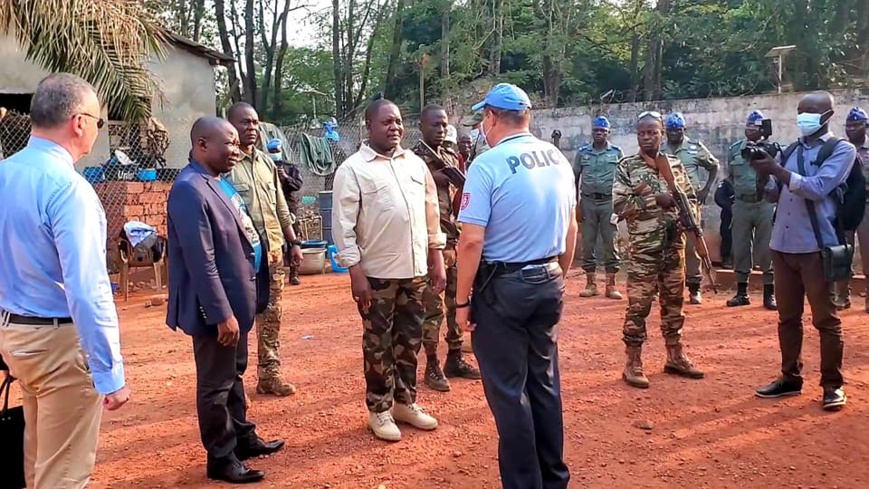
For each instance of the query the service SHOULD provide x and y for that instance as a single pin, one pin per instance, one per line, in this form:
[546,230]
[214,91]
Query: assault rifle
[686,216]
[453,174]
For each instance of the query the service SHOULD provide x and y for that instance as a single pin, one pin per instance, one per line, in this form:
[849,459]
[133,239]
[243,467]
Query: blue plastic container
[148,175]
[332,250]
[94,174]
[313,244]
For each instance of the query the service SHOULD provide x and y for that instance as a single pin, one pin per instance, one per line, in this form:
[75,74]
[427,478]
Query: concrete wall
[187,83]
[717,122]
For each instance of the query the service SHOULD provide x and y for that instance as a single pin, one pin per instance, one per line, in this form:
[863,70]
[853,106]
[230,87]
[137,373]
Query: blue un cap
[505,96]
[754,118]
[675,121]
[274,145]
[600,121]
[857,114]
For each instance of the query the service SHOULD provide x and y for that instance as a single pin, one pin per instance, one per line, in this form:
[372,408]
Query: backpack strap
[788,152]
[813,216]
[827,150]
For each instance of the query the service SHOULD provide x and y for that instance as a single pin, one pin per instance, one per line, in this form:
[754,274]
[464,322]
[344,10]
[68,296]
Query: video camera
[757,150]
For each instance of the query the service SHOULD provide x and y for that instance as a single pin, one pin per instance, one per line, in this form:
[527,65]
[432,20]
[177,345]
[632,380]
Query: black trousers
[726,234]
[220,406]
[515,343]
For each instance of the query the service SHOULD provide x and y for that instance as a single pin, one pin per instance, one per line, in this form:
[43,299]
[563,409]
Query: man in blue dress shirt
[56,304]
[796,252]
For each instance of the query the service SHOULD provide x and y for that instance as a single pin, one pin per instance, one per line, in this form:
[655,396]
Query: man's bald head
[215,144]
[821,99]
[205,127]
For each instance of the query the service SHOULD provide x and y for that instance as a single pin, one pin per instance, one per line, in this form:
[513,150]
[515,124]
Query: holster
[837,262]
[485,273]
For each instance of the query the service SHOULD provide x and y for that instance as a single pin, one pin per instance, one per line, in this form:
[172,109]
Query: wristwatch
[296,242]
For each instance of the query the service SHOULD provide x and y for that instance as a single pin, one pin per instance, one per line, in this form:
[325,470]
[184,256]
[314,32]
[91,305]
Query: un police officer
[594,168]
[518,239]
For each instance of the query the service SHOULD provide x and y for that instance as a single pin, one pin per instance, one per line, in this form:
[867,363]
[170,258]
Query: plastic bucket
[332,250]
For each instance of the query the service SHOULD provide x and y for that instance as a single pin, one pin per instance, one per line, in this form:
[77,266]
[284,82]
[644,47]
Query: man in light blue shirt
[518,240]
[796,184]
[56,304]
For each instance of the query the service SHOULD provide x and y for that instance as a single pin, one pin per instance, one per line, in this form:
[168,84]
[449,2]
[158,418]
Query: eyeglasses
[651,113]
[100,121]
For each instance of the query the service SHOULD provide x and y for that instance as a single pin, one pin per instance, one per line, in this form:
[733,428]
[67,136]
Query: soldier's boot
[741,298]
[679,364]
[611,292]
[633,374]
[294,276]
[434,376]
[590,286]
[275,385]
[694,296]
[456,366]
[769,297]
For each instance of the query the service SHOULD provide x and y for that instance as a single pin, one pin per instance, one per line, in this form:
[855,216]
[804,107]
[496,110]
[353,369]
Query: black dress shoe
[834,399]
[233,471]
[258,448]
[779,388]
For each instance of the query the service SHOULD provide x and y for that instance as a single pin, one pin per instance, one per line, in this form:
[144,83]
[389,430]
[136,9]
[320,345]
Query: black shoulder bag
[837,259]
[11,441]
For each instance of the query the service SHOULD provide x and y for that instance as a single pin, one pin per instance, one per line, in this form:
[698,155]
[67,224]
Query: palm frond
[106,42]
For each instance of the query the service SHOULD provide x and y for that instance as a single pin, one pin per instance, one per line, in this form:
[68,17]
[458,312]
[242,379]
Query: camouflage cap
[474,120]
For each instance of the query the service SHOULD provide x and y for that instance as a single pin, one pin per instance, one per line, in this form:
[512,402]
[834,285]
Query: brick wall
[132,201]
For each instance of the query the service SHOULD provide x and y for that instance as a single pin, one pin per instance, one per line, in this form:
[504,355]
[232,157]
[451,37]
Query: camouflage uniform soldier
[752,221]
[388,233]
[438,158]
[478,139]
[693,155]
[594,168]
[256,179]
[642,198]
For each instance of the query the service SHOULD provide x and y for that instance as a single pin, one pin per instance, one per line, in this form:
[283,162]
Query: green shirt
[742,175]
[596,168]
[694,155]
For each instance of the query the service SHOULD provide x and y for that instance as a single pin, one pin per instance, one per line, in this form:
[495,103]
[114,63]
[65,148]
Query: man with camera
[805,245]
[752,215]
[694,156]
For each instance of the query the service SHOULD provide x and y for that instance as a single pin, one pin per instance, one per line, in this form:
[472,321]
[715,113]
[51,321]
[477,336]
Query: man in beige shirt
[386,226]
[255,178]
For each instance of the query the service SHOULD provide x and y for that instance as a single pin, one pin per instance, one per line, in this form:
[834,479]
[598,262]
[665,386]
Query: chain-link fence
[132,167]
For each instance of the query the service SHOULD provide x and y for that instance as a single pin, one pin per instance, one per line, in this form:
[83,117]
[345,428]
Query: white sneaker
[414,415]
[384,426]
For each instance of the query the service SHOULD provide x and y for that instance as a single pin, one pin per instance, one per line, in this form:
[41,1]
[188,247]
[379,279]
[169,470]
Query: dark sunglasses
[100,121]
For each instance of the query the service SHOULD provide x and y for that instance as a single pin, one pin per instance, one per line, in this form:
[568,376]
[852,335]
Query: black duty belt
[490,270]
[501,268]
[36,321]
[597,196]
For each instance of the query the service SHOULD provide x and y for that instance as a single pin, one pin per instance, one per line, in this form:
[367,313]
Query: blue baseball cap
[274,145]
[505,96]
[857,114]
[754,118]
[601,121]
[675,121]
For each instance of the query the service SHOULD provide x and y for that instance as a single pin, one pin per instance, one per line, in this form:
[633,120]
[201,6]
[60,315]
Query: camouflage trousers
[391,339]
[268,322]
[435,304]
[658,269]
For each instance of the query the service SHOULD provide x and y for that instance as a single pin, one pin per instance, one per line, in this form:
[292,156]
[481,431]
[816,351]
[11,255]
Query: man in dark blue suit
[214,252]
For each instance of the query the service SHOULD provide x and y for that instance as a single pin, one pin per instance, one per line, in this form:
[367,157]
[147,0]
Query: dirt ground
[680,433]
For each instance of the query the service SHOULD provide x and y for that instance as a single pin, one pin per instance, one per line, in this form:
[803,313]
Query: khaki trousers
[62,410]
